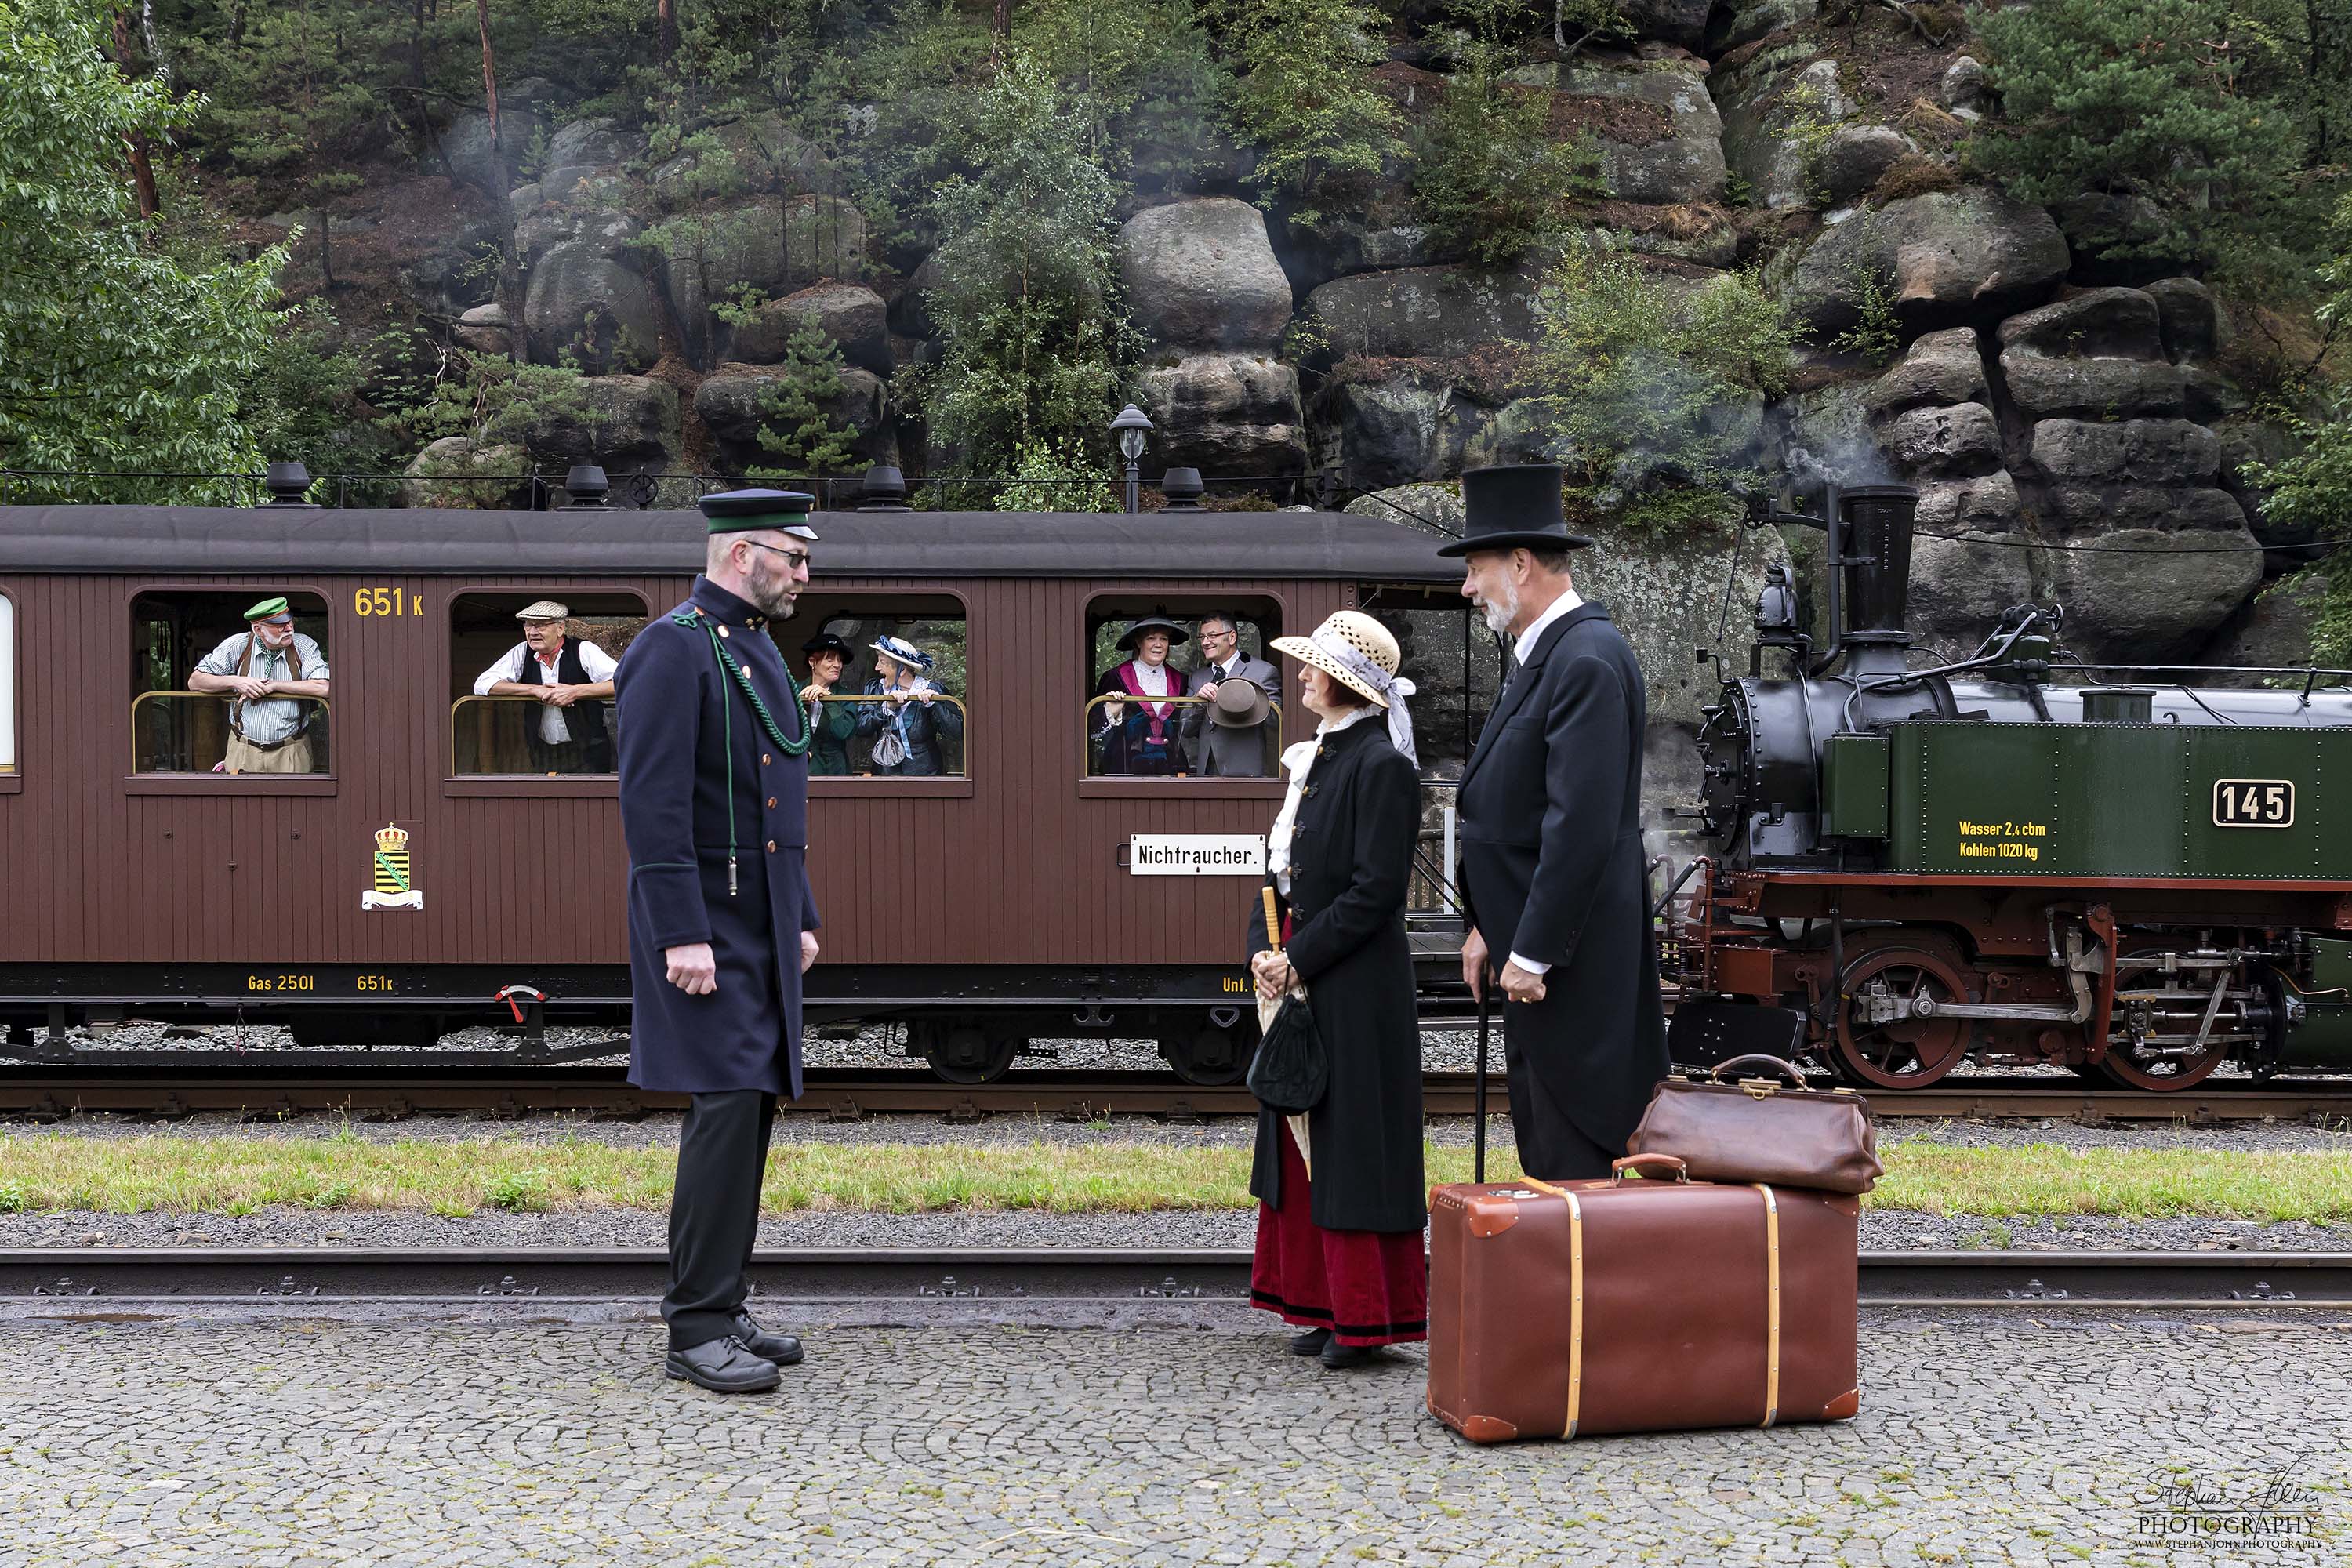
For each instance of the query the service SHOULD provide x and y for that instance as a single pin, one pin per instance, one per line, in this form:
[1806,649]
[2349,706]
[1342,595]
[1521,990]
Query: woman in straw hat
[910,721]
[1341,1214]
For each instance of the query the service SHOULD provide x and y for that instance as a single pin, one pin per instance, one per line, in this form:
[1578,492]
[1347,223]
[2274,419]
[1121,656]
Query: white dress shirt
[1568,600]
[518,666]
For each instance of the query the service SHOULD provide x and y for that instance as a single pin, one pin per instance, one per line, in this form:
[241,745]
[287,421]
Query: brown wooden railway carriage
[982,908]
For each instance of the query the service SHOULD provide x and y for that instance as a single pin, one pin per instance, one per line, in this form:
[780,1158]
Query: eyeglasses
[797,558]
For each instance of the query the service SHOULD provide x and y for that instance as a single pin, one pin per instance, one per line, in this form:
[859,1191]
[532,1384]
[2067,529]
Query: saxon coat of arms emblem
[394,888]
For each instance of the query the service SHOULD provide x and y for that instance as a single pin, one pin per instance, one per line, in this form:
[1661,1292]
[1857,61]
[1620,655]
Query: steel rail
[393,1087]
[1006,1276]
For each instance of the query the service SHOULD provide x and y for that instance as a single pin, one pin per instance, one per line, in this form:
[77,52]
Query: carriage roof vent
[1183,488]
[884,488]
[587,489]
[289,484]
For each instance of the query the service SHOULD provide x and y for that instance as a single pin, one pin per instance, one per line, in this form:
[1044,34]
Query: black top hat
[826,642]
[1176,634]
[1515,506]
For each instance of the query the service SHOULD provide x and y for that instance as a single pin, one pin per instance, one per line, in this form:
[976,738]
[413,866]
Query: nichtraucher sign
[1196,854]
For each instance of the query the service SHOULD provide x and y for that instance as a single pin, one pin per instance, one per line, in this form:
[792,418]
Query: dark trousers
[1552,1148]
[714,1213]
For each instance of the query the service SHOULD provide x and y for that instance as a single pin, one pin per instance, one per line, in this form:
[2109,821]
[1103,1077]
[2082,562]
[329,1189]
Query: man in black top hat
[831,723]
[714,803]
[1553,873]
[1136,734]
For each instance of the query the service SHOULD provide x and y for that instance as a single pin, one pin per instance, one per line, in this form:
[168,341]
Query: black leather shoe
[784,1349]
[1336,1356]
[1311,1342]
[722,1366]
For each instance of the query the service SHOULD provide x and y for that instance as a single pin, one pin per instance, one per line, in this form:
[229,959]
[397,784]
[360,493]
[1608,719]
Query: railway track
[82,1280]
[390,1089]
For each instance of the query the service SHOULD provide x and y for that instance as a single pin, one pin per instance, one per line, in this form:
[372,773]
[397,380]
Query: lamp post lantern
[1130,424]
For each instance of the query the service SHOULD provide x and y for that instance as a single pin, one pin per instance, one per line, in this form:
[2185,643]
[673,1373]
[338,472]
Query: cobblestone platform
[1983,1439]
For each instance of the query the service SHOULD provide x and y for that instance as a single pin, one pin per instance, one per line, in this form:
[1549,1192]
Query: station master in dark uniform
[1553,876]
[714,803]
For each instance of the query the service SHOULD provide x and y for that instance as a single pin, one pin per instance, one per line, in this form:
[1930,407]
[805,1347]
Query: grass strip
[243,1175]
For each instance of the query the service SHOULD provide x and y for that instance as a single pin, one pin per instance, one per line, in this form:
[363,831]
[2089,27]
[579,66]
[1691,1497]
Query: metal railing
[1269,734]
[860,745]
[642,491]
[179,743]
[495,741]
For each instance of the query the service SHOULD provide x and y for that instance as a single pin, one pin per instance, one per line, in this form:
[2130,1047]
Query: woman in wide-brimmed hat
[1136,734]
[833,723]
[1339,1222]
[910,721]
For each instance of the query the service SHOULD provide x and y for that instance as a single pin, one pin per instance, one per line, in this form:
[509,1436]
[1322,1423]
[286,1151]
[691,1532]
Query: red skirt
[1368,1286]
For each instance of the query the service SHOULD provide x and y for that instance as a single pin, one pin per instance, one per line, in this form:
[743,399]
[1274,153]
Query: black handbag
[1290,1073]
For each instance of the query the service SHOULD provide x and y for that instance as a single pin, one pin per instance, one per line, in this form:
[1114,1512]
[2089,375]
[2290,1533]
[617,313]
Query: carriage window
[531,679]
[1184,691]
[7,685]
[229,683]
[884,682]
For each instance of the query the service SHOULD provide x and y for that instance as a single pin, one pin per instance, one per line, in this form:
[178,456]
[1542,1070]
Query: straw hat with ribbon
[1361,655]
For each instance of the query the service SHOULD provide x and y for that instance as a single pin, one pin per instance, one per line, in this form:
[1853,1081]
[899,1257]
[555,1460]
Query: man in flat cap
[1553,876]
[570,678]
[266,670]
[714,803]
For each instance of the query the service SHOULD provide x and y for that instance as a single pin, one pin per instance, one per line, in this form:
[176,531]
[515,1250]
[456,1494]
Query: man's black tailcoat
[1553,868]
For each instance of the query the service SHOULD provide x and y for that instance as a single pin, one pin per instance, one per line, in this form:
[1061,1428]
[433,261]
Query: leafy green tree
[1490,176]
[114,356]
[2312,491]
[1140,73]
[797,435]
[1305,100]
[2161,100]
[1649,385]
[1034,343]
[1055,476]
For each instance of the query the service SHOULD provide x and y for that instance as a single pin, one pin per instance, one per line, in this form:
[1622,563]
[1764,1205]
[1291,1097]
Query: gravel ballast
[1880,1230]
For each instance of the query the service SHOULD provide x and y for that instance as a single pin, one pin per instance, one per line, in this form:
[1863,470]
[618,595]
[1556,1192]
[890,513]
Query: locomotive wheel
[965,1054]
[1209,1057]
[1906,1053]
[2134,1068]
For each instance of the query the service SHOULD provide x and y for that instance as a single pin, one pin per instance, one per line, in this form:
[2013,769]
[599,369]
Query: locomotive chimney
[1878,522]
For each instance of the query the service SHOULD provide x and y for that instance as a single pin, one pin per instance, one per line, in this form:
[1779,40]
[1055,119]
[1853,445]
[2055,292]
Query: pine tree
[797,433]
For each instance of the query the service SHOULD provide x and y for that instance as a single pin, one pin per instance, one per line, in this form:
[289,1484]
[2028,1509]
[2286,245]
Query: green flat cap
[268,610]
[740,511]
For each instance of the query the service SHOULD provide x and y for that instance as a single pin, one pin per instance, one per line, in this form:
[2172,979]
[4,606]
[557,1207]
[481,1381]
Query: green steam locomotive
[2016,858]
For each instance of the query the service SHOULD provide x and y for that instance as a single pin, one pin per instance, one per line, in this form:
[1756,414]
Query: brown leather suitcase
[1639,1306]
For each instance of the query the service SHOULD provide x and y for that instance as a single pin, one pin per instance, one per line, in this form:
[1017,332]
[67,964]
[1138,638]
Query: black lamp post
[1130,424]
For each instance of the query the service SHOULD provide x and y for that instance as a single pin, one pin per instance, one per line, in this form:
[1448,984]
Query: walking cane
[1485,994]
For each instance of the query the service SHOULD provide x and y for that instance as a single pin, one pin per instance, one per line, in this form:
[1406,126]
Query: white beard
[1501,614]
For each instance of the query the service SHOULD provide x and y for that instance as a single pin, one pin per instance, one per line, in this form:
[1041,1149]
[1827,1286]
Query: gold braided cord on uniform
[691,617]
[726,662]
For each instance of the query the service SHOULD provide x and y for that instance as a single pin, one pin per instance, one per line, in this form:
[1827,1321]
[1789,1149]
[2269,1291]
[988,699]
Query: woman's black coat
[1350,857]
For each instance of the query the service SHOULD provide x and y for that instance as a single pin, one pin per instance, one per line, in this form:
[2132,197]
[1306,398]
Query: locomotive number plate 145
[2253,803]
